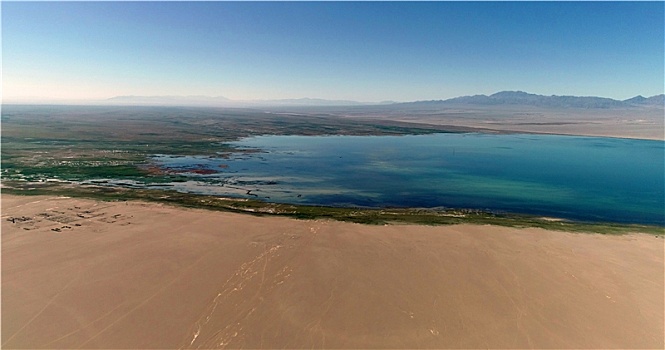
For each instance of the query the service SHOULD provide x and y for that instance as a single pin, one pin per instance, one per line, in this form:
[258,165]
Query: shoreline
[370,216]
[621,137]
[145,275]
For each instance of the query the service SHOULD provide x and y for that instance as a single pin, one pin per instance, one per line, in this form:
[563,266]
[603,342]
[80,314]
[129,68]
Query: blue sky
[364,51]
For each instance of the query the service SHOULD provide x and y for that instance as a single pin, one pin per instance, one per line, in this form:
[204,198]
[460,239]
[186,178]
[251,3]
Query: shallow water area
[580,178]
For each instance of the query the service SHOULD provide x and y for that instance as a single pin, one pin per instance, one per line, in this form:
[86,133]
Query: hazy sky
[367,51]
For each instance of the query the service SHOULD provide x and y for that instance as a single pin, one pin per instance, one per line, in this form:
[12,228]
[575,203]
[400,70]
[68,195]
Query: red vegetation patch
[198,171]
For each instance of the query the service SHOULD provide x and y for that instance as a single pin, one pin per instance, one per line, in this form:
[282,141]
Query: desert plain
[79,273]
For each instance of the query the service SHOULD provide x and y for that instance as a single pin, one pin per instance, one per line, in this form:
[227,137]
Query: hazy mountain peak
[636,99]
[512,94]
[655,100]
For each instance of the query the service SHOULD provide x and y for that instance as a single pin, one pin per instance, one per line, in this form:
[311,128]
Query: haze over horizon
[368,52]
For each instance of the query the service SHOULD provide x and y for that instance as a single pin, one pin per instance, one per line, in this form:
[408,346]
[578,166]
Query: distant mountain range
[223,101]
[500,98]
[527,99]
[169,100]
[306,102]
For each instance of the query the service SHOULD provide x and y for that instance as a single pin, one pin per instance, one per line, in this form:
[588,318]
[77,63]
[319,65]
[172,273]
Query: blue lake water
[581,178]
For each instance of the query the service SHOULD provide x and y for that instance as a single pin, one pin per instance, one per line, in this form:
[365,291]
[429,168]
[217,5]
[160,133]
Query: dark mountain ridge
[554,101]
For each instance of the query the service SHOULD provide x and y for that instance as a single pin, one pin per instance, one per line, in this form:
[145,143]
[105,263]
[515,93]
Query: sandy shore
[84,274]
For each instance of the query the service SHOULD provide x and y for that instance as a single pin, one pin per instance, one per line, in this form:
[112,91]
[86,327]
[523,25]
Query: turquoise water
[581,178]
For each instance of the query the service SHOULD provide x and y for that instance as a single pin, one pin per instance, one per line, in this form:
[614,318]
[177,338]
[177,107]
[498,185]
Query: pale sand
[136,275]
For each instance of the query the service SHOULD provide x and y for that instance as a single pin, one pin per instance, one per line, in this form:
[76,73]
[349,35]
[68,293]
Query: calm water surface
[583,178]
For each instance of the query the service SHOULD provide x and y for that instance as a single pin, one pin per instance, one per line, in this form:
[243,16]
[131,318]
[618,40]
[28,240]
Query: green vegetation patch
[304,212]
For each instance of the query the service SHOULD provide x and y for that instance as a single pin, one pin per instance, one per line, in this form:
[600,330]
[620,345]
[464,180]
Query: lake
[572,177]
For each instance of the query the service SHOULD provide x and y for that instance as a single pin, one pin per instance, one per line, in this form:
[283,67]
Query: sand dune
[85,274]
